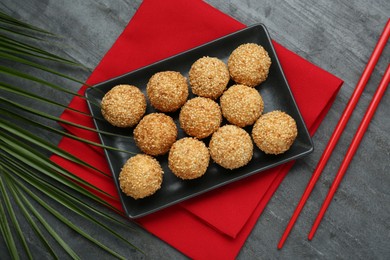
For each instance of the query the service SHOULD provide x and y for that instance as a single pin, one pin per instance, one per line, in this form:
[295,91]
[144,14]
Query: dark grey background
[338,36]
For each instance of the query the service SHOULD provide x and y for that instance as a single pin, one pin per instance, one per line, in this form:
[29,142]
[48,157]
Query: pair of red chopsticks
[337,133]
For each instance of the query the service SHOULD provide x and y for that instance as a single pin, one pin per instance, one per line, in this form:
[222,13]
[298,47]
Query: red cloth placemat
[216,224]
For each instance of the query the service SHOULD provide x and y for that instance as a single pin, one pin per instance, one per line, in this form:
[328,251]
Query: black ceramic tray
[274,91]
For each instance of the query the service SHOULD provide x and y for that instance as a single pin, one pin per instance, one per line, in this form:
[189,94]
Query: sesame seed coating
[241,105]
[249,64]
[200,117]
[141,176]
[123,106]
[231,147]
[155,134]
[274,132]
[167,91]
[188,158]
[209,77]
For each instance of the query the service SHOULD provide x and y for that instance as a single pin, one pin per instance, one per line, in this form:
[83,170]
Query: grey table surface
[338,36]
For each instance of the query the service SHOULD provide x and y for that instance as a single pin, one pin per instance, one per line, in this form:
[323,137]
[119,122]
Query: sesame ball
[123,106]
[141,176]
[274,132]
[241,105]
[200,117]
[167,91]
[249,64]
[209,77]
[231,147]
[188,158]
[155,134]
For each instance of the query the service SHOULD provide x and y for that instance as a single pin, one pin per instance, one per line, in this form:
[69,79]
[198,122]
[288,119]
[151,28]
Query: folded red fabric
[216,224]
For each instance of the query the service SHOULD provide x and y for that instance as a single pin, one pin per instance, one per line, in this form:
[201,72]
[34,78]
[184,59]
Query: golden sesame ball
[231,147]
[167,91]
[249,64]
[200,117]
[188,158]
[141,176]
[123,106]
[209,77]
[241,105]
[155,134]
[274,132]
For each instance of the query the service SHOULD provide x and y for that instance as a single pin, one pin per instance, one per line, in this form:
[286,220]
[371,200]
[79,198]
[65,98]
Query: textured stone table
[338,36]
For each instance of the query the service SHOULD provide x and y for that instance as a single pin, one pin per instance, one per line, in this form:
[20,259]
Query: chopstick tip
[311,235]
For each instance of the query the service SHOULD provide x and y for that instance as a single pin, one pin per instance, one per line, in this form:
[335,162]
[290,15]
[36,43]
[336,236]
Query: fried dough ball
[274,132]
[141,176]
[123,106]
[241,105]
[249,64]
[155,134]
[167,91]
[209,77]
[188,158]
[231,147]
[200,117]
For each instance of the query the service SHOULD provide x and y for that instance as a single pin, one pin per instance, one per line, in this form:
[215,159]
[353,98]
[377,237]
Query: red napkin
[216,224]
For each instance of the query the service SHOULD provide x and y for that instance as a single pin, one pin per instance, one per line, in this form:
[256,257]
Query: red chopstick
[352,148]
[339,129]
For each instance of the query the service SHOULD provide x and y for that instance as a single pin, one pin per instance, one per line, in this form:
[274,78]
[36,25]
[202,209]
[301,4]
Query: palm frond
[27,176]
[12,216]
[30,156]
[28,137]
[62,219]
[18,74]
[7,19]
[21,92]
[4,224]
[10,45]
[59,195]
[15,58]
[57,119]
[28,206]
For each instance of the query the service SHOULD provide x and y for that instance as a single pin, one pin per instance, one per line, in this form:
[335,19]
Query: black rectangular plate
[274,91]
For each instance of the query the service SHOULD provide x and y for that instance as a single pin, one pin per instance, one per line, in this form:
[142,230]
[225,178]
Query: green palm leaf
[62,219]
[54,118]
[4,18]
[60,196]
[30,156]
[20,132]
[27,136]
[36,65]
[21,92]
[27,175]
[24,205]
[12,215]
[5,225]
[15,73]
[10,45]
